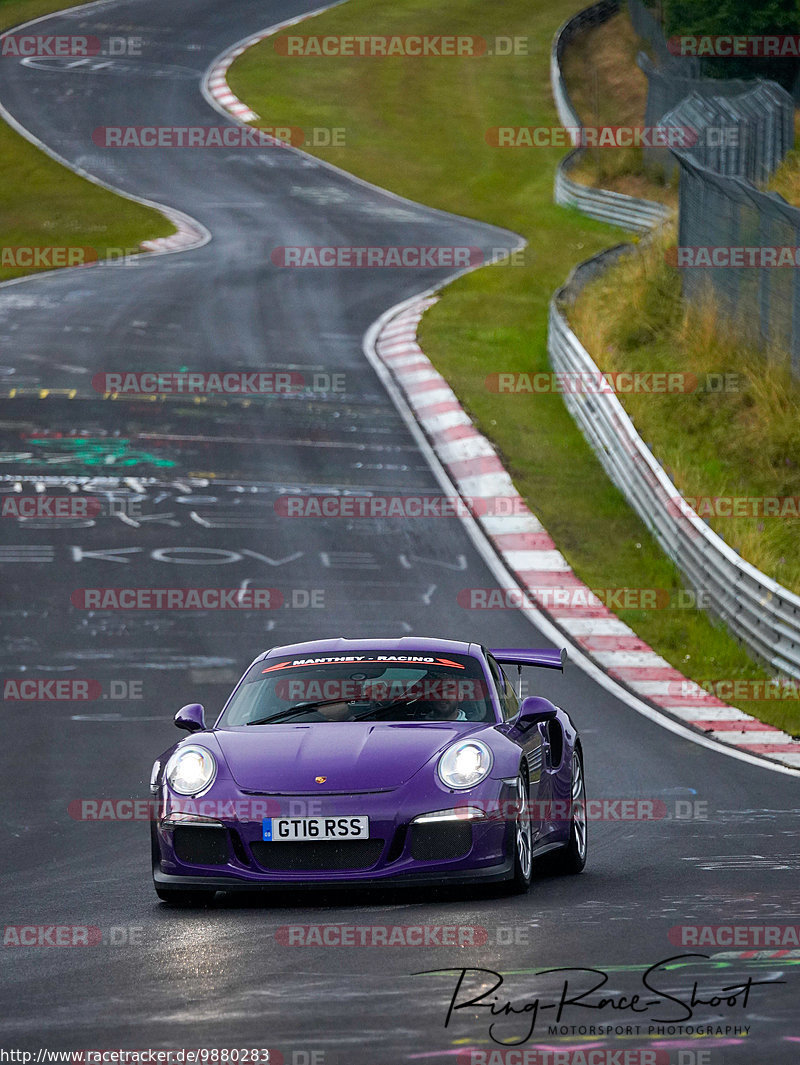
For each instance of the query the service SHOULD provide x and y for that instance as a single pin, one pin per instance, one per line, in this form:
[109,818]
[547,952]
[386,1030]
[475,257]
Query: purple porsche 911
[364,762]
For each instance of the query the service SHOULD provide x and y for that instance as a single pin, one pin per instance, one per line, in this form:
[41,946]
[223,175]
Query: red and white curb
[215,83]
[530,555]
[189,234]
[217,80]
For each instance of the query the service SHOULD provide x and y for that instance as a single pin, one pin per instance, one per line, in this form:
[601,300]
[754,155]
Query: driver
[334,712]
[447,710]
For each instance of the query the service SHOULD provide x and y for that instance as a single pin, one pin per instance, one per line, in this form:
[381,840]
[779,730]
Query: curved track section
[188,493]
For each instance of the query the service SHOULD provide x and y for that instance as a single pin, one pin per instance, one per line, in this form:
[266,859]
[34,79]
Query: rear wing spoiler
[544,658]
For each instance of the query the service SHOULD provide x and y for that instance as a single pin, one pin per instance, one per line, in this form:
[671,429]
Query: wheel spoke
[524,831]
[578,807]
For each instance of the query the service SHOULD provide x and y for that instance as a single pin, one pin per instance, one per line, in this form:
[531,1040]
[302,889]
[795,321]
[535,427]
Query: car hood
[351,756]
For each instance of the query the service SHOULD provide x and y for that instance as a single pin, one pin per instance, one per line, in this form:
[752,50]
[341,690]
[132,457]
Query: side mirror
[535,709]
[191,718]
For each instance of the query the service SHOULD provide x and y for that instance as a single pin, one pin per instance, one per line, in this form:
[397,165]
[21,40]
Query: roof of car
[403,645]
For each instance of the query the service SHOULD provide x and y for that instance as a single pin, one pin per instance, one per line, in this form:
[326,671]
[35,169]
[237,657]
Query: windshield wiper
[388,707]
[298,708]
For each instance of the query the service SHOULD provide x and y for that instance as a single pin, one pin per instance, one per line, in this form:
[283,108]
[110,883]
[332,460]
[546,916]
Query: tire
[571,859]
[522,841]
[155,850]
[180,897]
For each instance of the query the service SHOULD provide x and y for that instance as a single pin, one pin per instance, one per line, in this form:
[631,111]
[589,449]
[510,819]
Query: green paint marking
[90,451]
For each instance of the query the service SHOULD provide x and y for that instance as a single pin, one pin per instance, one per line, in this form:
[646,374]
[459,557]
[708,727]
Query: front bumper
[232,854]
[454,878]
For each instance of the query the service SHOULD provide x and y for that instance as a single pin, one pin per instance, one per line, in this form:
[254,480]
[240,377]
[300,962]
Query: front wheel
[572,858]
[523,840]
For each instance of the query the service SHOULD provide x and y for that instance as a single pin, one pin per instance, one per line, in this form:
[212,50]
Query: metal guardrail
[758,610]
[614,207]
[761,612]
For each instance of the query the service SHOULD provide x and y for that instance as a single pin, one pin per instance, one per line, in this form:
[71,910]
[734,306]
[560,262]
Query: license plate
[291,829]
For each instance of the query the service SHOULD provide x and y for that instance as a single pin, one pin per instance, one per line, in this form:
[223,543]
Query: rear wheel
[523,839]
[572,858]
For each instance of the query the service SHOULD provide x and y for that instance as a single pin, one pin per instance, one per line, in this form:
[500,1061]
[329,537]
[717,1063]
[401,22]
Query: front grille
[314,857]
[238,847]
[206,845]
[440,841]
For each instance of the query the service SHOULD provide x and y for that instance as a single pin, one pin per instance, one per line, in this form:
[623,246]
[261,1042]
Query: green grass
[786,179]
[741,443]
[42,204]
[417,126]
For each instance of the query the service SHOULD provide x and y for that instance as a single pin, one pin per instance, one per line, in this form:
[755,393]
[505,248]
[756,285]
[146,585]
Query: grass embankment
[44,205]
[608,89]
[417,126]
[741,442]
[786,179]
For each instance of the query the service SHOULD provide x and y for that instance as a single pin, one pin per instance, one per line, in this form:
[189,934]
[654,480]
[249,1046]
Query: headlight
[465,764]
[190,770]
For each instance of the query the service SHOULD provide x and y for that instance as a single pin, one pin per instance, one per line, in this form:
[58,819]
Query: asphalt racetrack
[188,493]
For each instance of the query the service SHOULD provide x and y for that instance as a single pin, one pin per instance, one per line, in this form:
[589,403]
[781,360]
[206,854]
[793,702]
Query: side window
[508,700]
[511,697]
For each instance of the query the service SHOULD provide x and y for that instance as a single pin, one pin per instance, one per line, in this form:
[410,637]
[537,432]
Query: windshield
[368,686]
